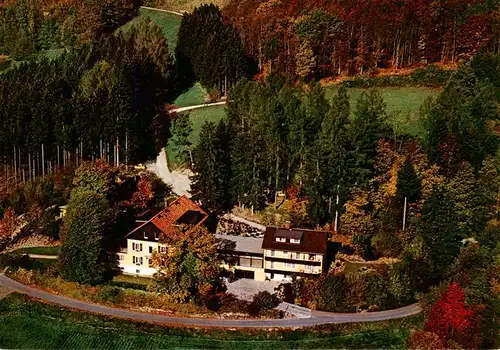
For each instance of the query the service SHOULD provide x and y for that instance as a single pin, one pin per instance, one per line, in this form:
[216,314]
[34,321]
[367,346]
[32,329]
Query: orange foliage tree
[8,226]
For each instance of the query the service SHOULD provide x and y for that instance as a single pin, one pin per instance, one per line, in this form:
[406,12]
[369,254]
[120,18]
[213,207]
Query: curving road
[318,318]
[189,108]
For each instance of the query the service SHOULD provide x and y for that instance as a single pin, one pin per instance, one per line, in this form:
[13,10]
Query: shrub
[16,260]
[230,304]
[422,340]
[284,292]
[355,291]
[429,76]
[25,276]
[400,285]
[110,294]
[262,302]
[305,290]
[387,244]
[331,293]
[376,293]
[52,270]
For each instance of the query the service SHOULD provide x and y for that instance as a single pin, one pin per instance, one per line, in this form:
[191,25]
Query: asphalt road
[318,318]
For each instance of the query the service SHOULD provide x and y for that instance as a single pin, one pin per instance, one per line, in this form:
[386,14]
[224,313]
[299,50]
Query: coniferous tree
[470,207]
[440,231]
[408,187]
[368,126]
[212,168]
[331,159]
[83,257]
[180,131]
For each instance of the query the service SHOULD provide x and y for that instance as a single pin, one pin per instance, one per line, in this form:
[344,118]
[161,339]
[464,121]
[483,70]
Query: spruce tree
[83,257]
[408,187]
[470,207]
[368,126]
[439,229]
[212,168]
[330,158]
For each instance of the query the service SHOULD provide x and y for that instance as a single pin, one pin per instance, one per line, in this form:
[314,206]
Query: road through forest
[317,318]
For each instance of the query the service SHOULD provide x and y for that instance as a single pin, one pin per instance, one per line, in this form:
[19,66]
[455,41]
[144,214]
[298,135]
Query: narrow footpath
[317,318]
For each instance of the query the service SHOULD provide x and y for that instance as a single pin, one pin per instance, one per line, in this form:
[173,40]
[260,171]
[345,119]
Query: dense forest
[325,38]
[100,100]
[279,137]
[210,51]
[30,26]
[431,204]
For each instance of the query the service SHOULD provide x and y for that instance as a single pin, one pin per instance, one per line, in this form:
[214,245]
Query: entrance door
[239,274]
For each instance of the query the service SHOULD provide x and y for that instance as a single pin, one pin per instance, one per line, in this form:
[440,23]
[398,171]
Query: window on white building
[273,252]
[163,249]
[121,258]
[137,247]
[297,255]
[150,250]
[290,265]
[272,264]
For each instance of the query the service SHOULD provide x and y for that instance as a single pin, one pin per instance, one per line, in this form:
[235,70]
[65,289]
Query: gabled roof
[182,211]
[309,241]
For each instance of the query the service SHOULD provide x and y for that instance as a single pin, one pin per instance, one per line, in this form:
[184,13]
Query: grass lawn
[189,5]
[133,282]
[198,118]
[194,96]
[168,22]
[25,323]
[40,250]
[403,105]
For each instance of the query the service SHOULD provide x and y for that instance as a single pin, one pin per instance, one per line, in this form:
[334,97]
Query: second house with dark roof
[294,251]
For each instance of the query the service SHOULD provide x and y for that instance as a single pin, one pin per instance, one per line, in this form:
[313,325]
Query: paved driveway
[316,319]
[246,288]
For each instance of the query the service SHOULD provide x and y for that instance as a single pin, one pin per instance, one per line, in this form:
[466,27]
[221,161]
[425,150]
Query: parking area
[245,289]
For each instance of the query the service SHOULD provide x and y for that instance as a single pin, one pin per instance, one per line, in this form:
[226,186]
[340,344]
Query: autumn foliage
[451,319]
[8,225]
[329,37]
[144,194]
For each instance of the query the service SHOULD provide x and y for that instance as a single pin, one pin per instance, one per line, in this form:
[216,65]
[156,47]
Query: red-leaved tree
[451,319]
[144,194]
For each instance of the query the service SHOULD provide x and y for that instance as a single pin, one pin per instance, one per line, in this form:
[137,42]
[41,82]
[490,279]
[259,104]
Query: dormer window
[156,236]
[295,241]
[280,239]
[145,235]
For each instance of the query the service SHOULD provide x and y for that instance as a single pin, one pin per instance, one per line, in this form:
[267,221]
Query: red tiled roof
[167,219]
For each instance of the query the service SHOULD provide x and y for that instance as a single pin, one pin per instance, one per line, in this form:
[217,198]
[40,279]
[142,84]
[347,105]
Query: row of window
[290,265]
[155,236]
[296,256]
[284,240]
[138,260]
[138,248]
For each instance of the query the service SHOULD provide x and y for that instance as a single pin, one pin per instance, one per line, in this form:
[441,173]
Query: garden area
[54,250]
[197,118]
[25,323]
[403,105]
[168,22]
